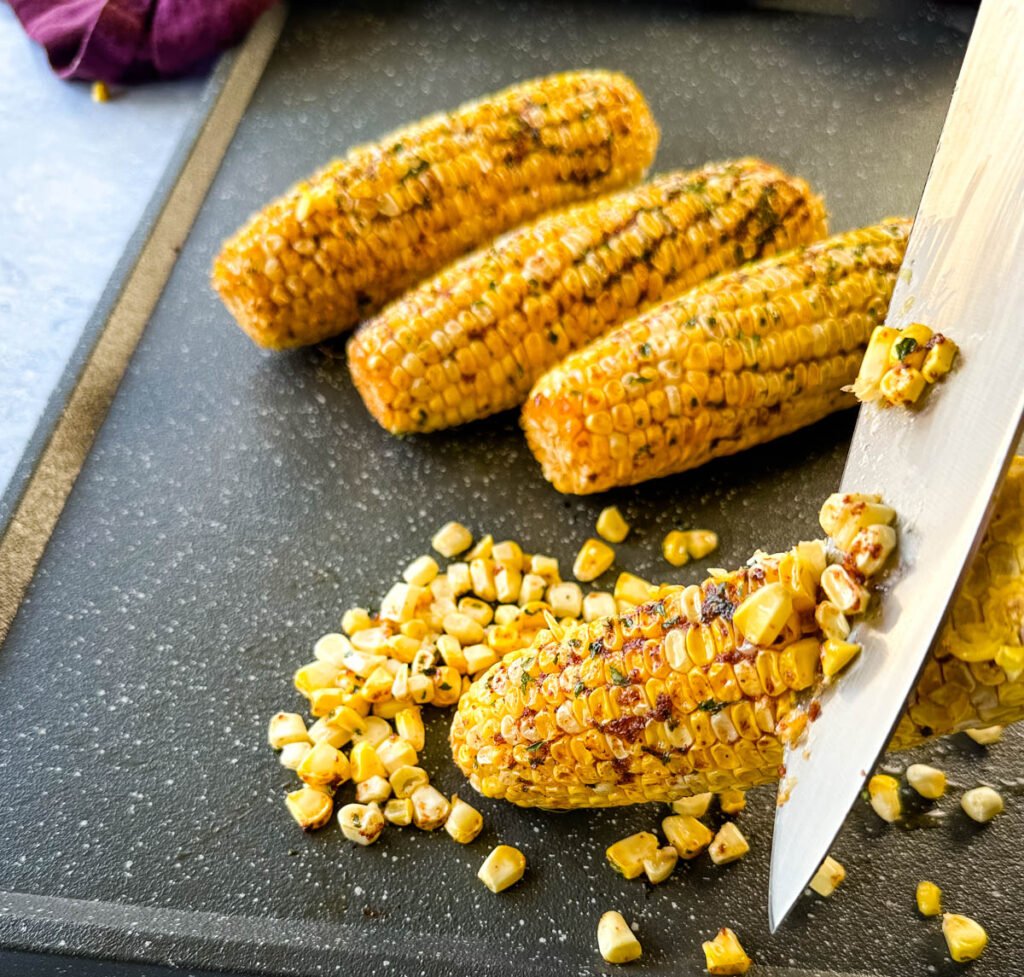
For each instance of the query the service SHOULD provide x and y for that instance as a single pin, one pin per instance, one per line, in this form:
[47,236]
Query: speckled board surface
[235,503]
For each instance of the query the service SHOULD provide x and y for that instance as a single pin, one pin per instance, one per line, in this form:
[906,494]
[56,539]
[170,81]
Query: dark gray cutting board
[236,503]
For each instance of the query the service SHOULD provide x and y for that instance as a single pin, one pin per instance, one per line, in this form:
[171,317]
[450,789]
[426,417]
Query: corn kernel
[836,655]
[545,567]
[598,604]
[635,589]
[566,600]
[508,582]
[871,547]
[409,725]
[929,782]
[398,811]
[429,808]
[373,730]
[399,603]
[701,543]
[503,867]
[365,763]
[611,526]
[395,752]
[310,807]
[441,588]
[451,539]
[292,754]
[333,649]
[483,550]
[285,728]
[929,898]
[376,790]
[695,806]
[909,346]
[323,766]
[323,731]
[532,589]
[832,621]
[464,628]
[506,614]
[884,795]
[481,572]
[843,590]
[981,804]
[478,657]
[674,548]
[361,823]
[377,687]
[406,779]
[874,364]
[508,553]
[828,877]
[464,822]
[728,845]
[686,835]
[100,92]
[732,801]
[987,735]
[451,653]
[762,615]
[316,675]
[939,359]
[421,571]
[389,709]
[837,509]
[480,611]
[627,856]
[661,864]
[724,955]
[447,686]
[355,619]
[615,940]
[798,664]
[903,385]
[593,559]
[965,938]
[371,640]
[459,579]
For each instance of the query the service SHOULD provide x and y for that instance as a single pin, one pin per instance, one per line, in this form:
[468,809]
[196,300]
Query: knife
[939,464]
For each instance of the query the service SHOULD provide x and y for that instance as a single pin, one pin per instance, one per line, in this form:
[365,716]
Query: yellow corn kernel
[762,615]
[285,728]
[451,539]
[463,627]
[857,515]
[884,796]
[701,542]
[836,655]
[459,579]
[732,801]
[661,864]
[902,385]
[403,647]
[373,730]
[843,590]
[361,823]
[831,621]
[483,549]
[981,804]
[451,653]
[566,599]
[929,782]
[871,547]
[316,675]
[310,807]
[429,808]
[292,754]
[593,559]
[840,507]
[987,735]
[875,363]
[686,835]
[615,940]
[508,553]
[395,752]
[598,604]
[399,603]
[939,359]
[355,619]
[447,686]
[532,589]
[506,614]
[508,582]
[481,572]
[674,548]
[611,525]
[464,822]
[398,811]
[372,641]
[323,766]
[929,898]
[502,868]
[406,779]
[828,877]
[724,955]
[695,806]
[377,687]
[333,649]
[728,845]
[322,731]
[409,725]
[798,664]
[909,346]
[389,709]
[100,92]
[421,571]
[545,567]
[376,790]
[635,589]
[478,657]
[365,763]
[627,856]
[965,938]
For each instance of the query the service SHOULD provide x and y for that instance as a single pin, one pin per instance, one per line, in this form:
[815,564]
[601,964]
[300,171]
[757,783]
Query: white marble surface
[75,178]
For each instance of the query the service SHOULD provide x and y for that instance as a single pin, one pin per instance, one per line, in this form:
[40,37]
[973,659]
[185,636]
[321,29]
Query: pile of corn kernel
[900,363]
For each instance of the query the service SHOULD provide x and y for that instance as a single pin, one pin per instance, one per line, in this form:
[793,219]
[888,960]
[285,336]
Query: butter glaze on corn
[336,247]
[748,356]
[472,340]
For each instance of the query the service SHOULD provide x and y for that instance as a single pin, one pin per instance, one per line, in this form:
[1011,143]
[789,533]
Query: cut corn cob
[746,357]
[335,248]
[472,340]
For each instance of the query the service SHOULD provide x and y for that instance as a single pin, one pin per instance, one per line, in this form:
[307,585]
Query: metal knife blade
[938,466]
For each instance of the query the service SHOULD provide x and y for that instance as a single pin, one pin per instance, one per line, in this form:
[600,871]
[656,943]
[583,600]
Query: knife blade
[937,465]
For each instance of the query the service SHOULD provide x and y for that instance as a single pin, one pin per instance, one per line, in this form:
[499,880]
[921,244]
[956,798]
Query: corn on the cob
[472,340]
[335,248]
[664,701]
[746,357]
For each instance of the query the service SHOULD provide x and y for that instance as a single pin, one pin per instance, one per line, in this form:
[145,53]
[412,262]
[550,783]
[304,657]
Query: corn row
[746,357]
[335,248]
[472,340]
[676,698]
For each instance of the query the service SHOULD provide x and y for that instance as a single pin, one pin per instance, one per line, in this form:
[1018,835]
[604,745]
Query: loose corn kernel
[828,877]
[832,621]
[987,735]
[593,559]
[661,864]
[902,385]
[395,752]
[100,92]
[361,823]
[532,589]
[406,779]
[566,599]
[611,525]
[365,763]
[627,856]
[843,589]
[376,790]
[373,729]
[464,822]
[545,567]
[451,653]
[508,582]
[463,627]
[481,572]
[421,571]
[695,806]
[292,754]
[939,359]
[762,615]
[459,579]
[836,655]
[635,589]
[440,589]
[871,547]
[508,553]
[929,898]
[929,782]
[598,604]
[447,686]
[310,807]
[506,614]
[389,709]
[965,938]
[732,801]
[398,811]
[322,702]
[483,550]
[838,509]
[909,346]
[323,731]
[686,835]
[377,687]
[724,955]
[981,804]
[502,868]
[884,795]
[701,542]
[316,675]
[371,640]
[429,808]
[674,548]
[451,539]
[874,364]
[480,611]
[478,657]
[285,728]
[355,619]
[323,766]
[333,649]
[409,725]
[616,941]
[399,603]
[728,845]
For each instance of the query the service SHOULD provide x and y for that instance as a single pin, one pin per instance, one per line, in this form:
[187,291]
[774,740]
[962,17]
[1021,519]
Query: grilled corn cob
[335,248]
[472,340]
[665,702]
[746,357]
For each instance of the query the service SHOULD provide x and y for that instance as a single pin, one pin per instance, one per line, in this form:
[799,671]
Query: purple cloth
[133,40]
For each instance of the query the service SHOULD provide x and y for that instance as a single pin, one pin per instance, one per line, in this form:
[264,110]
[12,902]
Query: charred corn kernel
[838,508]
[725,955]
[459,578]
[545,567]
[929,782]
[708,388]
[686,835]
[635,589]
[929,899]
[831,621]
[884,796]
[479,657]
[429,807]
[875,364]
[316,675]
[421,571]
[409,726]
[593,559]
[965,938]
[836,655]
[986,736]
[451,539]
[464,628]
[355,619]
[447,686]
[361,823]
[828,877]
[395,752]
[909,346]
[333,649]
[849,514]
[361,231]
[323,731]
[285,728]
[675,549]
[373,730]
[324,766]
[695,806]
[844,590]
[376,790]
[310,807]
[732,801]
[611,525]
[728,845]
[762,615]
[398,811]
[365,763]
[981,804]
[406,779]
[292,754]
[464,822]
[502,868]
[480,611]
[532,589]
[506,613]
[566,599]
[627,856]
[902,385]
[939,359]
[701,543]
[598,604]
[481,573]
[661,864]
[615,940]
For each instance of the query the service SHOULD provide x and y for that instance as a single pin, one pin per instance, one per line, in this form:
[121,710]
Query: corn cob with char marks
[472,340]
[335,248]
[746,357]
[664,702]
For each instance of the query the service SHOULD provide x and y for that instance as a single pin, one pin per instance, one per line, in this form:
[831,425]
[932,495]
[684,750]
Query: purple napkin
[133,40]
